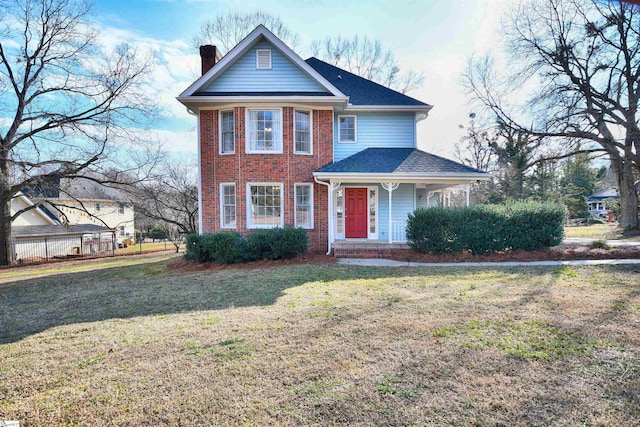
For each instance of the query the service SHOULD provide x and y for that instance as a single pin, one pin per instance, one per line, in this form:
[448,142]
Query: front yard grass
[306,344]
[594,231]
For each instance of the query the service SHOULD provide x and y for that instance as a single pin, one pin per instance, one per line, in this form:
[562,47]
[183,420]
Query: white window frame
[355,130]
[121,208]
[247,122]
[220,142]
[305,153]
[222,205]
[295,205]
[251,225]
[258,52]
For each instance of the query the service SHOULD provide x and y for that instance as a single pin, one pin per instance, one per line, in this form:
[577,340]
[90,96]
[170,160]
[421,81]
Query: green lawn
[594,231]
[136,343]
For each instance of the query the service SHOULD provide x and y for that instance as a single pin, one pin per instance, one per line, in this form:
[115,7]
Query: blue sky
[430,36]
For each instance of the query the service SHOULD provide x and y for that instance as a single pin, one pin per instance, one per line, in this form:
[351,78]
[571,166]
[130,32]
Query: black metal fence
[42,249]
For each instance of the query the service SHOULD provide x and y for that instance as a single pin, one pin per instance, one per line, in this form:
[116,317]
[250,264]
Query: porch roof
[399,164]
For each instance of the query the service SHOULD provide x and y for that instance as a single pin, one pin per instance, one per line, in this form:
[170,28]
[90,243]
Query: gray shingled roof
[360,90]
[57,230]
[397,160]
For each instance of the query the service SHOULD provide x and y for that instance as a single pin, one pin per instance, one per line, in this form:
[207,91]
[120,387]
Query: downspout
[329,207]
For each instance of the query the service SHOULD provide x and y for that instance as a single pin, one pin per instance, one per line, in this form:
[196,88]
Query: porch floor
[367,249]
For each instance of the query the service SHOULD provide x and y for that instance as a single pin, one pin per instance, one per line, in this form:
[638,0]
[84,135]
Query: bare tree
[170,202]
[66,104]
[226,31]
[368,59]
[583,56]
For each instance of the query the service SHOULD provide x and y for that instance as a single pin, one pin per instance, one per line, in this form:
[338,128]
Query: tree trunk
[627,192]
[6,253]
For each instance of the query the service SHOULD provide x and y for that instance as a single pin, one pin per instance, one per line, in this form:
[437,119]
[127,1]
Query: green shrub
[231,247]
[223,248]
[486,229]
[277,243]
[192,252]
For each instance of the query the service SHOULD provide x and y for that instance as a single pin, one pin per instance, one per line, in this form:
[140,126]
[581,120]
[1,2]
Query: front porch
[371,194]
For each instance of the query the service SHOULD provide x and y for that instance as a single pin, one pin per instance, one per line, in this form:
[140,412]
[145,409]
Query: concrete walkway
[612,243]
[377,262]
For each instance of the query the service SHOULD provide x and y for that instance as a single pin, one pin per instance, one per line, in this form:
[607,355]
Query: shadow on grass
[30,306]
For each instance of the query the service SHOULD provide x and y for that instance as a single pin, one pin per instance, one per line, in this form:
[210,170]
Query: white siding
[284,75]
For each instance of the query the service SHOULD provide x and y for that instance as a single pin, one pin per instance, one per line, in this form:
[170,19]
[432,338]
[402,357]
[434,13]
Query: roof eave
[401,177]
[417,108]
[200,101]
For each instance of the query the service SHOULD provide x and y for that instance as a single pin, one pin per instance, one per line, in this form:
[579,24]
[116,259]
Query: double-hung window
[228,205]
[264,205]
[227,134]
[347,129]
[264,131]
[304,205]
[302,132]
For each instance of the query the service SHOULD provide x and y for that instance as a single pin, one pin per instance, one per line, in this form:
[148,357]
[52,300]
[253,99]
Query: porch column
[390,186]
[468,188]
[331,232]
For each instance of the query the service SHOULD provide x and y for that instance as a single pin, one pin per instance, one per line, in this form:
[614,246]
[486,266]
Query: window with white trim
[228,205]
[120,208]
[302,132]
[264,205]
[264,131]
[227,132]
[303,194]
[263,59]
[347,129]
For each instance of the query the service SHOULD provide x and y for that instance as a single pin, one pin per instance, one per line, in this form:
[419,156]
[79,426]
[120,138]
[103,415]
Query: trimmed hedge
[486,229]
[231,247]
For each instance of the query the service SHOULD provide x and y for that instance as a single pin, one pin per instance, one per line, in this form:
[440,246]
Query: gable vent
[263,59]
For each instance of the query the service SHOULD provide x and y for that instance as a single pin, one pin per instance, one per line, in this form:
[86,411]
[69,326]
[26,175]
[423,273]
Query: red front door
[355,212]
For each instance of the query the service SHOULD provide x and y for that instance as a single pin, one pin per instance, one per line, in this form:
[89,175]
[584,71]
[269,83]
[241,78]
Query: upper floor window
[264,131]
[227,135]
[302,132]
[97,207]
[121,208]
[347,129]
[263,59]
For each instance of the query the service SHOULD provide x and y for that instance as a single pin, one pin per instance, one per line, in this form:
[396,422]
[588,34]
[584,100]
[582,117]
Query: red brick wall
[287,168]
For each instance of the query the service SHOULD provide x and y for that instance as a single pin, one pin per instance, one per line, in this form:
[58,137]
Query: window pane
[372,211]
[302,132]
[265,205]
[265,130]
[229,206]
[227,132]
[303,206]
[347,129]
[339,204]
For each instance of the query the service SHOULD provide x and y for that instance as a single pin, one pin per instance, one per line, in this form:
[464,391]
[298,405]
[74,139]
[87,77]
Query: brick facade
[286,168]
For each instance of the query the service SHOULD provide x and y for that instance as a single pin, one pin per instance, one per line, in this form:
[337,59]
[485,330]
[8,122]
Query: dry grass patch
[594,231]
[322,345]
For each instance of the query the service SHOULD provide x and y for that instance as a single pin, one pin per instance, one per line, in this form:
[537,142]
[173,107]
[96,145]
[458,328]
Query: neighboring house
[37,235]
[598,202]
[288,142]
[94,204]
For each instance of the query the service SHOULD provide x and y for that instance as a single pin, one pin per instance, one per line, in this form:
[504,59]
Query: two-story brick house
[288,142]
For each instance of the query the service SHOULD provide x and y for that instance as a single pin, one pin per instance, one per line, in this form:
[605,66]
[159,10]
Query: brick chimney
[209,56]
